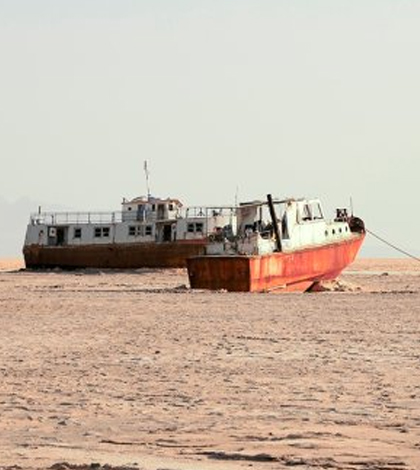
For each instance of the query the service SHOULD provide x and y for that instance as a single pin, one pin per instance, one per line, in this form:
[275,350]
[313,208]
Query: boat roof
[276,201]
[152,200]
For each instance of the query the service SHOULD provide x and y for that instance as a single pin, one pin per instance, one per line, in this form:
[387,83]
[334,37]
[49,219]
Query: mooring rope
[393,246]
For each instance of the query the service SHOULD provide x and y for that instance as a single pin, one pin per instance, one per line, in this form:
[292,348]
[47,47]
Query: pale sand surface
[8,264]
[135,369]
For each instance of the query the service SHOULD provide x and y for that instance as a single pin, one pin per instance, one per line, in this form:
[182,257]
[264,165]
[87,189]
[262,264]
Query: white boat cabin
[150,209]
[300,223]
[141,220]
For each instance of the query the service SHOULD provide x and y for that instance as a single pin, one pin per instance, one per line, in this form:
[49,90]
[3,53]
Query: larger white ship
[147,232]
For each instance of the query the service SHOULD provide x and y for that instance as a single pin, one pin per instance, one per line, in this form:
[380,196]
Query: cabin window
[148,230]
[136,231]
[171,207]
[153,207]
[316,211]
[77,233]
[195,227]
[101,232]
[306,215]
[284,227]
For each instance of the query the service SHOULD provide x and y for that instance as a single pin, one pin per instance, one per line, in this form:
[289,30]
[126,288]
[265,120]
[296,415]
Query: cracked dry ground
[134,370]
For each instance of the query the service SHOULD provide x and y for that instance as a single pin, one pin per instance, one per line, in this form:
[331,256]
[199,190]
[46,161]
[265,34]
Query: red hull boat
[289,272]
[319,252]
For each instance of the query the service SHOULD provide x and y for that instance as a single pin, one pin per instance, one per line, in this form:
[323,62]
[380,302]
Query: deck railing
[207,212]
[64,218]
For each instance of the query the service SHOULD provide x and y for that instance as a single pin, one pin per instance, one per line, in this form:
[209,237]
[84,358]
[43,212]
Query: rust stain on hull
[127,256]
[296,271]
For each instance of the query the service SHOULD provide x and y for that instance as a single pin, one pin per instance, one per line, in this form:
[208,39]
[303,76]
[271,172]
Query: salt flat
[134,369]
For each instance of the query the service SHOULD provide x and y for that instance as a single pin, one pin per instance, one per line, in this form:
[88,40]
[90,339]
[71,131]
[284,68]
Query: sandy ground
[136,370]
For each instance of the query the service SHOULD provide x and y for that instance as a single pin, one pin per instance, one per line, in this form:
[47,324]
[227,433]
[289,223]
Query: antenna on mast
[146,172]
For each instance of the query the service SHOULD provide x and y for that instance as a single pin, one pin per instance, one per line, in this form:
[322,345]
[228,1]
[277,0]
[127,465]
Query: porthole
[326,233]
[333,231]
[340,230]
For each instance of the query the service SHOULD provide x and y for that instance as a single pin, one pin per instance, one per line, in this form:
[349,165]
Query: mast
[274,220]
[146,172]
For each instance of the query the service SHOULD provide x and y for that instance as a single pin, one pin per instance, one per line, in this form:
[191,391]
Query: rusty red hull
[119,256]
[297,271]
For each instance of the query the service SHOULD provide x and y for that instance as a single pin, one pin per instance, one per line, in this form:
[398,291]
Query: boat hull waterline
[297,271]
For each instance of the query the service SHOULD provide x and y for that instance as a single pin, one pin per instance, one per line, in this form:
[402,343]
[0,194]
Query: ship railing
[207,212]
[65,218]
[98,217]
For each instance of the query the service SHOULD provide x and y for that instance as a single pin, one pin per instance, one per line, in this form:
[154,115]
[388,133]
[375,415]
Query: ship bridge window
[161,211]
[171,207]
[77,233]
[316,211]
[306,212]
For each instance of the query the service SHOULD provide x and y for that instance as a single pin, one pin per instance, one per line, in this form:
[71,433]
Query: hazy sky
[298,97]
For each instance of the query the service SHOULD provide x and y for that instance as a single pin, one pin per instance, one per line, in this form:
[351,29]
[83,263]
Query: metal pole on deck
[146,171]
[274,220]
